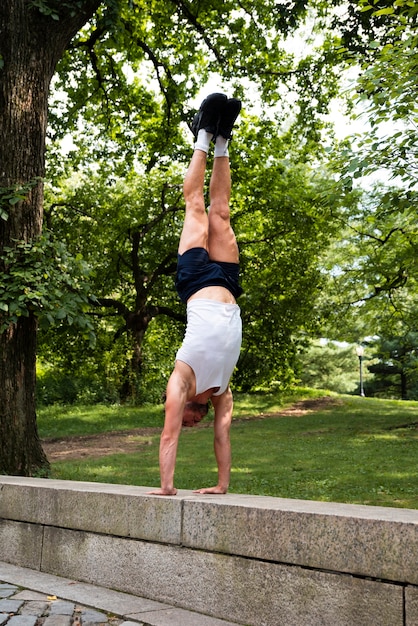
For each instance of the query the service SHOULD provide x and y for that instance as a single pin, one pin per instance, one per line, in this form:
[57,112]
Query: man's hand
[162,492]
[217,489]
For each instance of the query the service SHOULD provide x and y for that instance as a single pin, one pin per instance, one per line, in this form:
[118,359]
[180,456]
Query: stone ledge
[374,542]
[365,541]
[243,558]
[112,509]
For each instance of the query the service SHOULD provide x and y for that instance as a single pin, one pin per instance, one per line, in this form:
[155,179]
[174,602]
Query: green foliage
[43,279]
[129,76]
[330,366]
[85,383]
[124,88]
[45,8]
[128,230]
[54,8]
[161,342]
[386,90]
[396,371]
[373,266]
[282,223]
[104,217]
[372,285]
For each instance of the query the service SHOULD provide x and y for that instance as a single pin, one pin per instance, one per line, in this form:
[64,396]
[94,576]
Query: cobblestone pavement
[30,608]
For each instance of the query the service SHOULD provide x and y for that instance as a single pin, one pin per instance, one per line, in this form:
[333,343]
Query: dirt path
[128,441]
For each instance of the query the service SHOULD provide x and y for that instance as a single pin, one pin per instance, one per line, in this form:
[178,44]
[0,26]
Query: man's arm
[174,407]
[223,406]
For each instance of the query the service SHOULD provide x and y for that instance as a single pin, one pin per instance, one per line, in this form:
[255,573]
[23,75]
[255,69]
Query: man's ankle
[221,147]
[203,140]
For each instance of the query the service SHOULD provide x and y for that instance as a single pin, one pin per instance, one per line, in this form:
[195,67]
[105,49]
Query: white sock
[203,140]
[221,147]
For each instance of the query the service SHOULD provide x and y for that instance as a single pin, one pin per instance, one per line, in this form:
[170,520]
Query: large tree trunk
[136,325]
[31,44]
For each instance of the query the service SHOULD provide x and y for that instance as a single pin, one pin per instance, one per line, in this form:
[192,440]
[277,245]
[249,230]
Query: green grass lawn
[357,450]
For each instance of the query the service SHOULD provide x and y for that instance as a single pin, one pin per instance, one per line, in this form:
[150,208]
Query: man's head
[194,412]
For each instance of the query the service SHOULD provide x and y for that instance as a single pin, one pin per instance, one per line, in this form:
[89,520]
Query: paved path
[31,598]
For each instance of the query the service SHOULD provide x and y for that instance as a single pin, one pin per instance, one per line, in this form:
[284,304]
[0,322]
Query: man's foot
[229,114]
[209,114]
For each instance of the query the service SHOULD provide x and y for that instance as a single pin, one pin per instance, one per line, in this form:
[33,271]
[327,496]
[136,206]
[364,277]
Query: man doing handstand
[208,281]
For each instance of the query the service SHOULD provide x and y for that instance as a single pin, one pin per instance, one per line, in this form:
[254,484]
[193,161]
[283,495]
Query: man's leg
[222,242]
[195,226]
[204,127]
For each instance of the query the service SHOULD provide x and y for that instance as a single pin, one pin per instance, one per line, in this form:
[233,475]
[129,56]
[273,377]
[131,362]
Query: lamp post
[360,354]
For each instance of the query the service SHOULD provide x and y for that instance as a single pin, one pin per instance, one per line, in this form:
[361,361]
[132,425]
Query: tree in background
[386,91]
[31,43]
[283,224]
[128,231]
[396,372]
[372,267]
[327,365]
[142,131]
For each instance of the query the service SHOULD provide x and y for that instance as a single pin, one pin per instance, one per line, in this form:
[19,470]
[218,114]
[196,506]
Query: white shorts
[212,343]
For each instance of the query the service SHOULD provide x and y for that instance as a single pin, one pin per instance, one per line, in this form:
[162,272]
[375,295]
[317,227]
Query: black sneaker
[230,112]
[209,114]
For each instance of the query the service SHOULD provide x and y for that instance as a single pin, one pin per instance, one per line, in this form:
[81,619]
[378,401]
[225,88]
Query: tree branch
[192,19]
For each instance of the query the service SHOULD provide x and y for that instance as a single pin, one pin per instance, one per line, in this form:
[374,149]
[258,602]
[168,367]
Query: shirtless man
[207,280]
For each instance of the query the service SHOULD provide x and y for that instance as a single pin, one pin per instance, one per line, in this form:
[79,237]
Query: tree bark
[31,44]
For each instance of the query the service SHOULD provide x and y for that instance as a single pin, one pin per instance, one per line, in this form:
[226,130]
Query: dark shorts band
[195,271]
